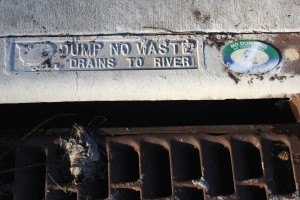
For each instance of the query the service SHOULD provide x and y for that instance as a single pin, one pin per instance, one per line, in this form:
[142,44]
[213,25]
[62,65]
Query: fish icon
[34,54]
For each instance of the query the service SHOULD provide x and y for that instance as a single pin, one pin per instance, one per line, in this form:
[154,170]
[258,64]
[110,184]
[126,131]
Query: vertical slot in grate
[248,160]
[124,163]
[155,171]
[31,173]
[186,161]
[217,168]
[280,171]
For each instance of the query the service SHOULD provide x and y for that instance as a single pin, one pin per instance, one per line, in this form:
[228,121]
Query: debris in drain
[250,181]
[202,183]
[83,153]
[284,156]
[280,151]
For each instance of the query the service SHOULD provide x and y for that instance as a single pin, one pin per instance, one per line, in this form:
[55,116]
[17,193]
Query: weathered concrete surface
[210,79]
[77,17]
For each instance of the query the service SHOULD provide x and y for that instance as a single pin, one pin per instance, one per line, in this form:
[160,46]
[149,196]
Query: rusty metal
[213,162]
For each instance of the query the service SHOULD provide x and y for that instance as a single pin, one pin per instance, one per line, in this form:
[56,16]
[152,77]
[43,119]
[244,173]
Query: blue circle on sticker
[250,57]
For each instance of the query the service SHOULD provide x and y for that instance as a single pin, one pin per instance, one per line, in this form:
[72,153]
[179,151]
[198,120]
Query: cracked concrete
[77,87]
[204,56]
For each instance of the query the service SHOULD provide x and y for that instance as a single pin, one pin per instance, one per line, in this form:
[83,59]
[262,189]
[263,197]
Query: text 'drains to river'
[101,53]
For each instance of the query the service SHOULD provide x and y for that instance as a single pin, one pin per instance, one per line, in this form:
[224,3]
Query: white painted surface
[209,81]
[44,17]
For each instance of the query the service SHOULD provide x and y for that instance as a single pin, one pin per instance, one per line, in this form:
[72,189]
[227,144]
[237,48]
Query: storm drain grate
[241,162]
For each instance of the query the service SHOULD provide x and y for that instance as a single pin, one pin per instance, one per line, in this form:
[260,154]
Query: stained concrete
[38,20]
[77,17]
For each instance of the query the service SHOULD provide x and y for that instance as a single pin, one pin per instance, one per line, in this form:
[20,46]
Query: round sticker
[250,56]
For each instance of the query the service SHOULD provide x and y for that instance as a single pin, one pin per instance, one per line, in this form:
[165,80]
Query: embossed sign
[100,53]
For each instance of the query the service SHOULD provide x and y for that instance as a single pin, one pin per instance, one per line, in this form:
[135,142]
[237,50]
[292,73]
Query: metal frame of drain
[206,162]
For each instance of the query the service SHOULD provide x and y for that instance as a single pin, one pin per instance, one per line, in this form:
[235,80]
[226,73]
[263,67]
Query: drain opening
[31,173]
[186,161]
[54,194]
[155,171]
[215,157]
[6,165]
[125,194]
[247,160]
[251,193]
[280,171]
[95,189]
[58,164]
[4,195]
[124,163]
[188,193]
[217,168]
[102,190]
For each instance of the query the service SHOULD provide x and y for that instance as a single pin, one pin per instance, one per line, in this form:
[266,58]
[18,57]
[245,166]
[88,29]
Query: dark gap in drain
[280,173]
[155,171]
[145,113]
[95,189]
[7,163]
[218,170]
[7,166]
[31,174]
[54,194]
[188,193]
[6,195]
[247,160]
[125,194]
[58,164]
[102,189]
[251,193]
[124,163]
[186,161]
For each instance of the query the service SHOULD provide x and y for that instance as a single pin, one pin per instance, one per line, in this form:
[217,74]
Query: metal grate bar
[159,163]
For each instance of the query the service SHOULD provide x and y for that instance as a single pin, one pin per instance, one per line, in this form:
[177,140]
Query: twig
[17,169]
[4,194]
[104,119]
[33,131]
[57,183]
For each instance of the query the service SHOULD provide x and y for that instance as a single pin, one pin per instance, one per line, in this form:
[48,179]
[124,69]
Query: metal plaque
[100,53]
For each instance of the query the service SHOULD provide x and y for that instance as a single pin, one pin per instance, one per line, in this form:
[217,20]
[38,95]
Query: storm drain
[229,162]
